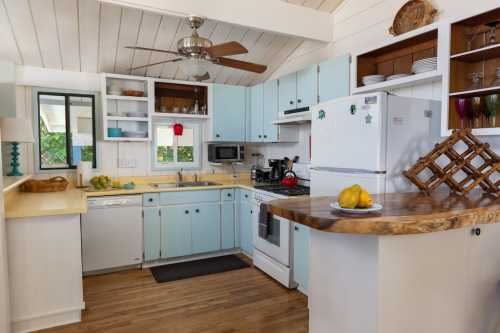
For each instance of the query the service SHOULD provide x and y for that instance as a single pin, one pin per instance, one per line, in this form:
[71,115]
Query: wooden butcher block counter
[402,213]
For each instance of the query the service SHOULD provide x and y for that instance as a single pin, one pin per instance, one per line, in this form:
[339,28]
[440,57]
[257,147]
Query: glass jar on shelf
[477,81]
[496,81]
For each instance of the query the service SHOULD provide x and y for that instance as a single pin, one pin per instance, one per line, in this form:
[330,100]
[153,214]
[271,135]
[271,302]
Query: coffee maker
[277,169]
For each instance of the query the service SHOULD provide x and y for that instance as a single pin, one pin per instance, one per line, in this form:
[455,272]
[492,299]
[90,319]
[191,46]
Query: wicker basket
[55,184]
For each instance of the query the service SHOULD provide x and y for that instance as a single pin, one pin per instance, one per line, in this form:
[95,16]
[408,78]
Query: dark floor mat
[190,269]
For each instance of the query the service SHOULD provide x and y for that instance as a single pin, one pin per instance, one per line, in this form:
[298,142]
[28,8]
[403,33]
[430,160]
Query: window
[66,130]
[171,151]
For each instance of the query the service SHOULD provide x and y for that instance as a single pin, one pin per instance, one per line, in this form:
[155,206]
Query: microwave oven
[226,153]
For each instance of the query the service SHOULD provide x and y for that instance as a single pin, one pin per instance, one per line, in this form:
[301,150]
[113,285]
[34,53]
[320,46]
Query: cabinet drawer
[150,199]
[187,197]
[227,195]
[246,195]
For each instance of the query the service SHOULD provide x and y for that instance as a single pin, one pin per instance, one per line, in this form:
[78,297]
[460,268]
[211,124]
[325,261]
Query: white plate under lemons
[374,208]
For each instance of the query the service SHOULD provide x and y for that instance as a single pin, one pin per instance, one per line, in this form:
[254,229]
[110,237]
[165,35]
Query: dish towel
[264,218]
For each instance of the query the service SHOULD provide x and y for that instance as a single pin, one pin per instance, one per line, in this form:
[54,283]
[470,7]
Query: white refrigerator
[369,140]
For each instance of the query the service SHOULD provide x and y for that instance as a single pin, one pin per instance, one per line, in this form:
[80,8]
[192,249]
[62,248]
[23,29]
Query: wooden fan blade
[226,49]
[148,49]
[157,63]
[202,77]
[243,65]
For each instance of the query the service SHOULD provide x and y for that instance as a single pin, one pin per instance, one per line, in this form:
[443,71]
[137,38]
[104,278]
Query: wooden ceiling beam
[266,15]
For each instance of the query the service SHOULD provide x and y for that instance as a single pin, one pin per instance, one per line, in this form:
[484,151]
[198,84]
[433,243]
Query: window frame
[67,95]
[197,151]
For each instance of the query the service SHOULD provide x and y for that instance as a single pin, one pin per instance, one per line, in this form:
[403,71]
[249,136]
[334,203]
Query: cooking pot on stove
[289,179]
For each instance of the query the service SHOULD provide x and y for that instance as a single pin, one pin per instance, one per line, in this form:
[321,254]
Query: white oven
[272,253]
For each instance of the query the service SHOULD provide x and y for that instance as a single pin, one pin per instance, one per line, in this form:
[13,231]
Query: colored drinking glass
[477,107]
[462,107]
[492,103]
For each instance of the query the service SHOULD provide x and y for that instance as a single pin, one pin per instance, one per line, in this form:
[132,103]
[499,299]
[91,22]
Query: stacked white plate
[424,65]
[372,79]
[396,76]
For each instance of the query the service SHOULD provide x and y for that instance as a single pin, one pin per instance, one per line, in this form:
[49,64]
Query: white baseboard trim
[47,320]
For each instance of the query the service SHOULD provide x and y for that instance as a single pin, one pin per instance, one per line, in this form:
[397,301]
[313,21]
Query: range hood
[296,117]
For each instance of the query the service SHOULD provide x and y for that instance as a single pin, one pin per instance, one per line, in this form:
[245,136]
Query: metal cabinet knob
[150,199]
[291,102]
[197,210]
[217,135]
[299,101]
[478,231]
[296,228]
[260,136]
[229,195]
[186,212]
[251,212]
[246,195]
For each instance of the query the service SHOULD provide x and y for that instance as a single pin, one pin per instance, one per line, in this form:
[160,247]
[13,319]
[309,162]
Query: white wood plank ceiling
[322,5]
[89,36]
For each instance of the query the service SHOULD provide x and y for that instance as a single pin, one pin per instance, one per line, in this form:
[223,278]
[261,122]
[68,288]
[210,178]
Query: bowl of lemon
[355,200]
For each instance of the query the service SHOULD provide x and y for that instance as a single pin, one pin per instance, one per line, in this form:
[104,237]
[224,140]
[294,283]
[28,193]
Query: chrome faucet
[178,178]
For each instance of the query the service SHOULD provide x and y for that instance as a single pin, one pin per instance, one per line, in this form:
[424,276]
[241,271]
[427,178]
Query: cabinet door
[256,112]
[301,256]
[287,92]
[205,228]
[228,113]
[152,233]
[228,225]
[333,78]
[484,277]
[307,87]
[176,231]
[246,236]
[270,131]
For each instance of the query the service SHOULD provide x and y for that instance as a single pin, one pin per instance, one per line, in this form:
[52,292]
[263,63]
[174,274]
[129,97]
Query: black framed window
[66,130]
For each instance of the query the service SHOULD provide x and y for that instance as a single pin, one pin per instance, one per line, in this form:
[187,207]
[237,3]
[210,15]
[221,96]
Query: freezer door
[349,133]
[413,130]
[330,183]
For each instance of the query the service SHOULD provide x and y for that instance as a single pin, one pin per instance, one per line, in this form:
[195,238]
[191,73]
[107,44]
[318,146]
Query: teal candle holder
[14,153]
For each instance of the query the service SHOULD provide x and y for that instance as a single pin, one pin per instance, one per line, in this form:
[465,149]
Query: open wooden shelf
[171,98]
[399,83]
[473,55]
[127,98]
[396,58]
[119,118]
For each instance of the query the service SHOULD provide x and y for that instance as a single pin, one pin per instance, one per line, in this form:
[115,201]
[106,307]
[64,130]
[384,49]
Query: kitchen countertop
[12,182]
[403,213]
[74,201]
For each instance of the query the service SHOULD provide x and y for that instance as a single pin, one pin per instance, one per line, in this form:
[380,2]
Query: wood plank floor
[244,300]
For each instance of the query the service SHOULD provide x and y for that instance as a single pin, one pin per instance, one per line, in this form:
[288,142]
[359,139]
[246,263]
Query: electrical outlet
[127,162]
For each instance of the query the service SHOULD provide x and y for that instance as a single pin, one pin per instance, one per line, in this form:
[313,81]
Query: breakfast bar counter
[422,264]
[402,213]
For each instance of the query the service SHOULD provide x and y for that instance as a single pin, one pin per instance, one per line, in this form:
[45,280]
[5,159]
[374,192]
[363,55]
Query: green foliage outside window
[164,154]
[52,147]
[185,154]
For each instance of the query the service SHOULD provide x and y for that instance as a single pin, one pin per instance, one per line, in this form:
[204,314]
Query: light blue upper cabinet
[301,245]
[256,112]
[152,233]
[307,87]
[288,92]
[334,78]
[228,225]
[176,231]
[205,228]
[229,103]
[270,131]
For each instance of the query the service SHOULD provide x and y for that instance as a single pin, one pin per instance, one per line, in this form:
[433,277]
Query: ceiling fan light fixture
[194,67]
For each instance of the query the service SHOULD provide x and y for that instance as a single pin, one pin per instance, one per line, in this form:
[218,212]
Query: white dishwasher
[112,233]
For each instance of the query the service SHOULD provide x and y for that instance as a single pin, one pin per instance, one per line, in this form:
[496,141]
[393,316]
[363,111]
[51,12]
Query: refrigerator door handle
[350,171]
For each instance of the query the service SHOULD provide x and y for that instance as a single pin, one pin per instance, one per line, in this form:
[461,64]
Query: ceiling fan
[196,53]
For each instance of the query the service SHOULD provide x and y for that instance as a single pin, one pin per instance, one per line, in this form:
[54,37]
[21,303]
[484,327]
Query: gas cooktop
[284,190]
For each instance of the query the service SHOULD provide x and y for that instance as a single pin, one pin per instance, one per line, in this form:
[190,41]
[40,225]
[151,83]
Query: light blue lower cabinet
[152,233]
[205,228]
[301,243]
[246,237]
[228,225]
[176,231]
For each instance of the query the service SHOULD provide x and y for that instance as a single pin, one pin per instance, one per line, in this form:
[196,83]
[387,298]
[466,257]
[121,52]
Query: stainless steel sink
[196,184]
[183,184]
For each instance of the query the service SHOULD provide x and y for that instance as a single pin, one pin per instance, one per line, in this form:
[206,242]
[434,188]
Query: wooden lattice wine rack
[462,162]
